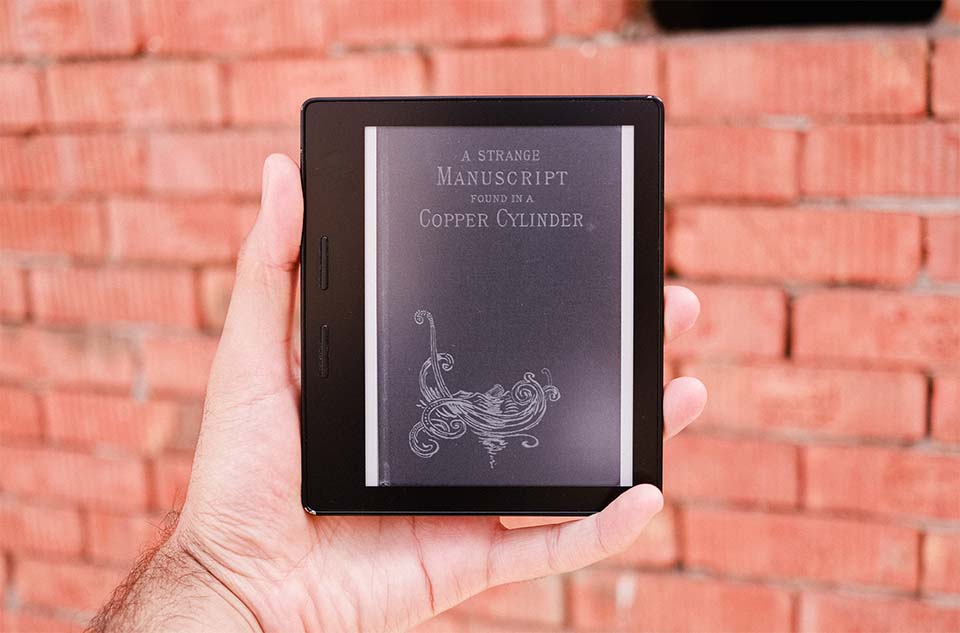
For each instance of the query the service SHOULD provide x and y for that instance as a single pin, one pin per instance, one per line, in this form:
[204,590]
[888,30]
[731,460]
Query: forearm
[169,590]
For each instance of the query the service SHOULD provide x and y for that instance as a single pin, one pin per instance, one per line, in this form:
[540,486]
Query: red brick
[31,620]
[140,94]
[608,600]
[795,244]
[657,545]
[712,77]
[950,13]
[241,27]
[46,529]
[914,329]
[20,107]
[63,475]
[945,90]
[13,294]
[51,228]
[178,364]
[730,162]
[120,538]
[533,602]
[735,321]
[272,91]
[766,545]
[74,28]
[943,248]
[704,467]
[216,287]
[876,614]
[785,399]
[587,17]
[945,417]
[171,477]
[88,163]
[65,358]
[65,585]
[182,231]
[587,69]
[114,295]
[21,413]
[90,420]
[423,21]
[941,562]
[889,159]
[887,481]
[219,163]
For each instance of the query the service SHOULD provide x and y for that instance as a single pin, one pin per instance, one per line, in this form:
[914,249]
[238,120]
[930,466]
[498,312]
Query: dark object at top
[726,14]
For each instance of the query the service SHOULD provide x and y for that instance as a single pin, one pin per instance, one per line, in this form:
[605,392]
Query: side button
[324,263]
[324,351]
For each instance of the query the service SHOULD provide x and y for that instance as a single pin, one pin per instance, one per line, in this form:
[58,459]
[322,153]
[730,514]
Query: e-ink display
[498,306]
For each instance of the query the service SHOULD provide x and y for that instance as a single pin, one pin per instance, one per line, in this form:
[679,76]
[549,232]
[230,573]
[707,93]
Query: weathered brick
[507,71]
[170,479]
[69,228]
[271,91]
[13,294]
[607,600]
[795,244]
[216,287]
[241,27]
[577,17]
[65,475]
[65,358]
[704,467]
[945,90]
[879,614]
[883,481]
[423,21]
[712,77]
[786,399]
[943,247]
[134,93]
[730,162]
[29,619]
[181,231]
[941,562]
[20,106]
[735,321]
[792,545]
[91,420]
[73,28]
[537,602]
[118,537]
[21,413]
[65,585]
[217,163]
[114,296]
[878,326]
[178,364]
[884,159]
[945,415]
[26,526]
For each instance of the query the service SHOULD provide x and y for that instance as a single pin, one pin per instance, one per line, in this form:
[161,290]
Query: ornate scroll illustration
[494,416]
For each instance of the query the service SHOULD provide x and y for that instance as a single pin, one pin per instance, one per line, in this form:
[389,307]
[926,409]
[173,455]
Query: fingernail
[265,184]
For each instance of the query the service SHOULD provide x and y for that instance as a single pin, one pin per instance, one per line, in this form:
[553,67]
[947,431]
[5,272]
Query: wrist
[170,589]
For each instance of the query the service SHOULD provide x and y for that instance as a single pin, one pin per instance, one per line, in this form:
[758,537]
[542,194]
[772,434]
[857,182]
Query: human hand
[244,554]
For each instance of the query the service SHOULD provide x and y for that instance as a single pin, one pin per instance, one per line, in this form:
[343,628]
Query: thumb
[254,346]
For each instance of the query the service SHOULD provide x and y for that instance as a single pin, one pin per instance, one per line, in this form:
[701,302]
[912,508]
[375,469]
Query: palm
[243,516]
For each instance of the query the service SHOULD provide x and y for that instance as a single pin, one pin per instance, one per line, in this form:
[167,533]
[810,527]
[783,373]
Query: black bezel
[332,408]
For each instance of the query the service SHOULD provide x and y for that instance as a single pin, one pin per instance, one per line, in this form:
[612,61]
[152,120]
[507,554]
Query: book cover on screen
[498,305]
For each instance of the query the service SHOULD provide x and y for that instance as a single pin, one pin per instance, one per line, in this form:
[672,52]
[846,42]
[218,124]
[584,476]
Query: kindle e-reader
[482,303]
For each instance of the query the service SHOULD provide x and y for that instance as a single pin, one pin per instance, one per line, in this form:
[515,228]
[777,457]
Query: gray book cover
[498,299]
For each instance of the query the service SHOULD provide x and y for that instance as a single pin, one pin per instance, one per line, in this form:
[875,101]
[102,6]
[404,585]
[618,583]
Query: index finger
[680,311]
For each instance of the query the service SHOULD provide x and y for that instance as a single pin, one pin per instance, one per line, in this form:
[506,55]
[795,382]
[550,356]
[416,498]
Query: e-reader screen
[498,305]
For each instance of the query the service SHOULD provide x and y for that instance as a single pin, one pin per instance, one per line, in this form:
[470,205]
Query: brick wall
[813,187]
